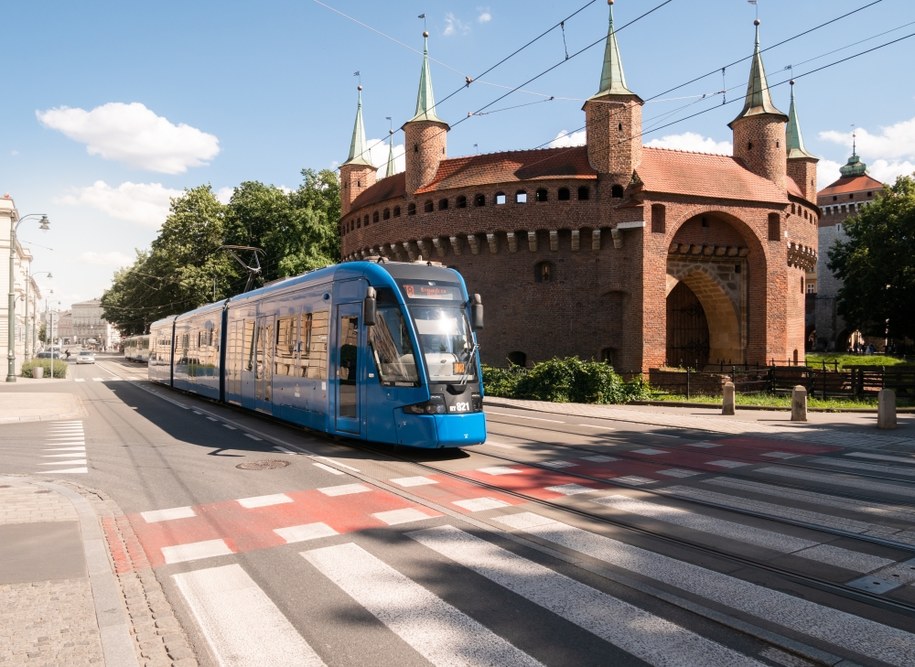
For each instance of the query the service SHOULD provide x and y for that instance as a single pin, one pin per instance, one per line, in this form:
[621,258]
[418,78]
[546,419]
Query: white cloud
[454,26]
[484,15]
[378,156]
[887,171]
[564,139]
[827,172]
[224,195]
[113,258]
[145,204]
[691,141]
[894,142]
[134,135]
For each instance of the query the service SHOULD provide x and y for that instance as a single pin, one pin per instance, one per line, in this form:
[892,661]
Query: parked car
[85,357]
[46,354]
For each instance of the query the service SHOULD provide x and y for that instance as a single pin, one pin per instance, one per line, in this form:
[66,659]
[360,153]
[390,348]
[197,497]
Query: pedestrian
[68,354]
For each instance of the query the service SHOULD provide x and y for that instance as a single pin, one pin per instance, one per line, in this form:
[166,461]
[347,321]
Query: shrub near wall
[568,380]
[60,368]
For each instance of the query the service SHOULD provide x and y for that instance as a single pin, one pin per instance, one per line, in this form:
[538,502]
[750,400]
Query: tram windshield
[445,341]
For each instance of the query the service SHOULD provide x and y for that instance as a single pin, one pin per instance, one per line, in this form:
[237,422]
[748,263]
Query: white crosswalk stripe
[640,633]
[439,632]
[241,624]
[855,634]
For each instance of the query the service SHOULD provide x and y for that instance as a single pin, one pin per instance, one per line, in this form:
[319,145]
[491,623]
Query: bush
[568,380]
[60,368]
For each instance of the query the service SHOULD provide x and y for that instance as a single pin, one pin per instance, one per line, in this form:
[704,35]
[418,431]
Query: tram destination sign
[437,291]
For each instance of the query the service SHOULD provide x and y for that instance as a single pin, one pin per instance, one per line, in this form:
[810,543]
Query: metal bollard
[799,404]
[727,398]
[886,409]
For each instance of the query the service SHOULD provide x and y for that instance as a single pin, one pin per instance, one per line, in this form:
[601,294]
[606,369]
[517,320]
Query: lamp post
[30,340]
[11,312]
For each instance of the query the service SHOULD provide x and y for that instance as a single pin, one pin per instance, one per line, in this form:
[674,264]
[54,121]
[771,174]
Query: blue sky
[112,107]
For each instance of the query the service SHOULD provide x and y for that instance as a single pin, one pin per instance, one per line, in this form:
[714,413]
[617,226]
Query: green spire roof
[425,100]
[358,155]
[854,166]
[758,100]
[612,79]
[795,141]
[390,170]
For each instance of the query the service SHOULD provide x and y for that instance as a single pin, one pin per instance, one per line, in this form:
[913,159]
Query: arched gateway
[612,250]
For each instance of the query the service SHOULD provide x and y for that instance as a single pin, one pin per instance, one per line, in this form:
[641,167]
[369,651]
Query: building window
[397,211]
[500,198]
[387,214]
[563,194]
[544,272]
[460,202]
[442,204]
[775,231]
[479,200]
[616,191]
[521,197]
[375,216]
[541,195]
[428,207]
[584,193]
[658,219]
[411,209]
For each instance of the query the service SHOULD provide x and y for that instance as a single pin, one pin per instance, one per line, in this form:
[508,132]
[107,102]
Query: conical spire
[854,166]
[795,142]
[425,100]
[358,155]
[390,170]
[612,79]
[758,100]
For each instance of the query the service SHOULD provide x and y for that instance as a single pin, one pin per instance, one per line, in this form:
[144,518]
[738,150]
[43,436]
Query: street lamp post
[11,312]
[30,339]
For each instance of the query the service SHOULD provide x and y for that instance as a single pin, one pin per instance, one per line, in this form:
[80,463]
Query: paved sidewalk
[75,588]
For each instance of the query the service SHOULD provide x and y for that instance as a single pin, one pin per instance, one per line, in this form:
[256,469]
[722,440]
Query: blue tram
[377,350]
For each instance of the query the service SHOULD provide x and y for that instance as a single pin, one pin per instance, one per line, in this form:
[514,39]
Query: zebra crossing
[242,624]
[64,450]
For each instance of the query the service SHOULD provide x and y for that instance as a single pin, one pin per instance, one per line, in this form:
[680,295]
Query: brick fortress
[639,256]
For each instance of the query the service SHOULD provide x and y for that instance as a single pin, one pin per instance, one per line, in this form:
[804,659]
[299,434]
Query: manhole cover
[269,464]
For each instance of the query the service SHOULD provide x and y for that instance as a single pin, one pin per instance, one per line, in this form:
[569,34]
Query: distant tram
[136,348]
[376,350]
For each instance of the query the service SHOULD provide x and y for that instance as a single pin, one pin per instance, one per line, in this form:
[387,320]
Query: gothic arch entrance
[703,322]
[687,329]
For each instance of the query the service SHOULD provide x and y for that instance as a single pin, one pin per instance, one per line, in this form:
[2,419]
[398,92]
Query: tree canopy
[188,264]
[876,263]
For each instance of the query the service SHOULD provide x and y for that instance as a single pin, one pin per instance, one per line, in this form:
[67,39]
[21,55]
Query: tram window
[390,342]
[304,342]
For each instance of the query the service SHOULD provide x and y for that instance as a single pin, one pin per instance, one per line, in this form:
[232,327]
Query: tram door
[347,353]
[263,367]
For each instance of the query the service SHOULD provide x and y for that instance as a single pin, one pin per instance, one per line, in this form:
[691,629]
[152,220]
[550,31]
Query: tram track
[782,463]
[862,603]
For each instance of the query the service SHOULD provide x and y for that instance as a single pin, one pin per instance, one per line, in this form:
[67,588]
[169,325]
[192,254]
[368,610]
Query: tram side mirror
[369,307]
[476,312]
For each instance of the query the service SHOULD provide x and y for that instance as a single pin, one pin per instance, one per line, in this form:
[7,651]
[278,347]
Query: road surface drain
[269,464]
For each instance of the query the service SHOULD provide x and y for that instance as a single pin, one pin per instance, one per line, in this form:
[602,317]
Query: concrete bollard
[727,398]
[799,404]
[886,409]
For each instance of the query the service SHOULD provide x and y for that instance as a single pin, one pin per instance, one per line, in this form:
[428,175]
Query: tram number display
[460,406]
[427,291]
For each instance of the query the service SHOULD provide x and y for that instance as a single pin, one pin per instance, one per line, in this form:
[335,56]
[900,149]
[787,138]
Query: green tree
[184,268]
[876,263]
[188,266]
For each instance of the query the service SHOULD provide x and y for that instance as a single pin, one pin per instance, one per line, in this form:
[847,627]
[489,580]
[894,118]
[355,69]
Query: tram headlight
[434,406]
